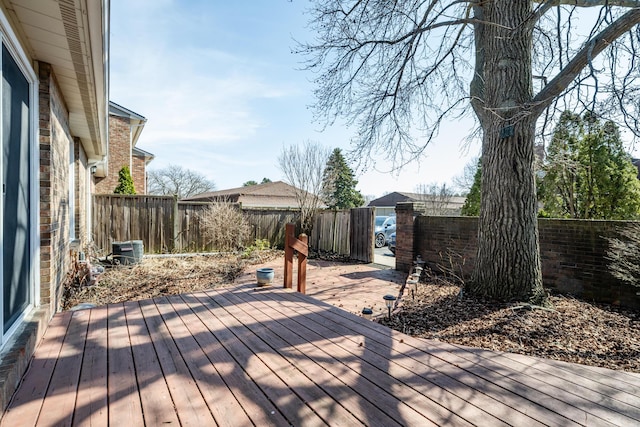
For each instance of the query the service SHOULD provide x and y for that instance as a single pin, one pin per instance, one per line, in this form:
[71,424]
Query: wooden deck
[249,356]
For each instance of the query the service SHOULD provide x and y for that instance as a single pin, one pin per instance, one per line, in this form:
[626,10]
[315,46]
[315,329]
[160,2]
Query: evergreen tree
[587,173]
[252,182]
[125,182]
[339,184]
[471,205]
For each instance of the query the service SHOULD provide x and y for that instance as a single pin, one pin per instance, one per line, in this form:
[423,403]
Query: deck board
[253,355]
[286,344]
[591,395]
[190,405]
[156,401]
[369,369]
[124,404]
[30,395]
[91,402]
[543,407]
[247,356]
[223,406]
[253,401]
[453,394]
[59,401]
[379,338]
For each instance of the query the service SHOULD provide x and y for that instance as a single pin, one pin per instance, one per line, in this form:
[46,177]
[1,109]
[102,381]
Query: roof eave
[73,37]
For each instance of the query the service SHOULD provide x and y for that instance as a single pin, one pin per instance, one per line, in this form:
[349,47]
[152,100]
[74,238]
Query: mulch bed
[570,330]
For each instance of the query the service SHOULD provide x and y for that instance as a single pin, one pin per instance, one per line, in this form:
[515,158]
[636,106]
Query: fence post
[334,225]
[176,224]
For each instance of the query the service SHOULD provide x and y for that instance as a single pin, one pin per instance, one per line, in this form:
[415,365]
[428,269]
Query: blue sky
[223,94]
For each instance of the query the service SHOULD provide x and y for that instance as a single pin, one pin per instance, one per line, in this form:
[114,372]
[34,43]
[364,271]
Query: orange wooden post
[302,264]
[290,230]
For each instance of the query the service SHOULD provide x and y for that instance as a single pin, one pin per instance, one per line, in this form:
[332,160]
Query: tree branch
[548,4]
[584,56]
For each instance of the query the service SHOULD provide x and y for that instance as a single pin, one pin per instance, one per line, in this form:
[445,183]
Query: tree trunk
[508,259]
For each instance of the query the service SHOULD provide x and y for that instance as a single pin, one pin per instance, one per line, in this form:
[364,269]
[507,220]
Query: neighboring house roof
[392,199]
[271,194]
[136,121]
[144,154]
[72,36]
[636,163]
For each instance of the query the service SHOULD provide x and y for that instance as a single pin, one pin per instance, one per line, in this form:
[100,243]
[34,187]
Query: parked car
[384,227]
[392,243]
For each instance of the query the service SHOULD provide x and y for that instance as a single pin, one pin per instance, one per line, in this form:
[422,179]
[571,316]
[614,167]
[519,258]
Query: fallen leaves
[571,330]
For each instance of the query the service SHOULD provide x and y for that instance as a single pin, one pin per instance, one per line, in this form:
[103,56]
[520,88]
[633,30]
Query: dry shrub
[224,226]
[624,255]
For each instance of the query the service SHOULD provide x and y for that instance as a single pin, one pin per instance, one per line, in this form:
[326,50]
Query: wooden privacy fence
[361,234]
[345,232]
[166,225]
[120,218]
[330,231]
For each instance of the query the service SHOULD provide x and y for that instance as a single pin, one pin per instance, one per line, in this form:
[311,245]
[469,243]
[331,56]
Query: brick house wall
[139,174]
[572,252]
[119,153]
[57,251]
[56,144]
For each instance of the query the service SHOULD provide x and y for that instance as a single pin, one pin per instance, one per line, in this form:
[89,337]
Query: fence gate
[361,234]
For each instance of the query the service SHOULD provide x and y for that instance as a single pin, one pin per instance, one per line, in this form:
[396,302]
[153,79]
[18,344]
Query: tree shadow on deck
[270,357]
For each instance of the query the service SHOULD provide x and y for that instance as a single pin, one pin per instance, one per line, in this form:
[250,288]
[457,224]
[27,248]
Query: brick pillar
[405,232]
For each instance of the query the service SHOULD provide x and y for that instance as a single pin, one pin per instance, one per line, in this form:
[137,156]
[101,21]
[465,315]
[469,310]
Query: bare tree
[392,67]
[176,180]
[303,167]
[436,198]
[464,181]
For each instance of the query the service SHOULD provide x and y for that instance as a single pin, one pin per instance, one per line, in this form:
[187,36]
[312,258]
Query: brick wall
[572,252]
[55,145]
[138,173]
[406,213]
[119,154]
[573,260]
[447,243]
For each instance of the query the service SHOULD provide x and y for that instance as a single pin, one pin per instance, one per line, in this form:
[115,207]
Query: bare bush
[224,226]
[624,254]
[436,198]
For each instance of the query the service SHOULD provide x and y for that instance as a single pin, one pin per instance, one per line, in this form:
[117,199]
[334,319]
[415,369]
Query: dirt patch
[570,330]
[155,277]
